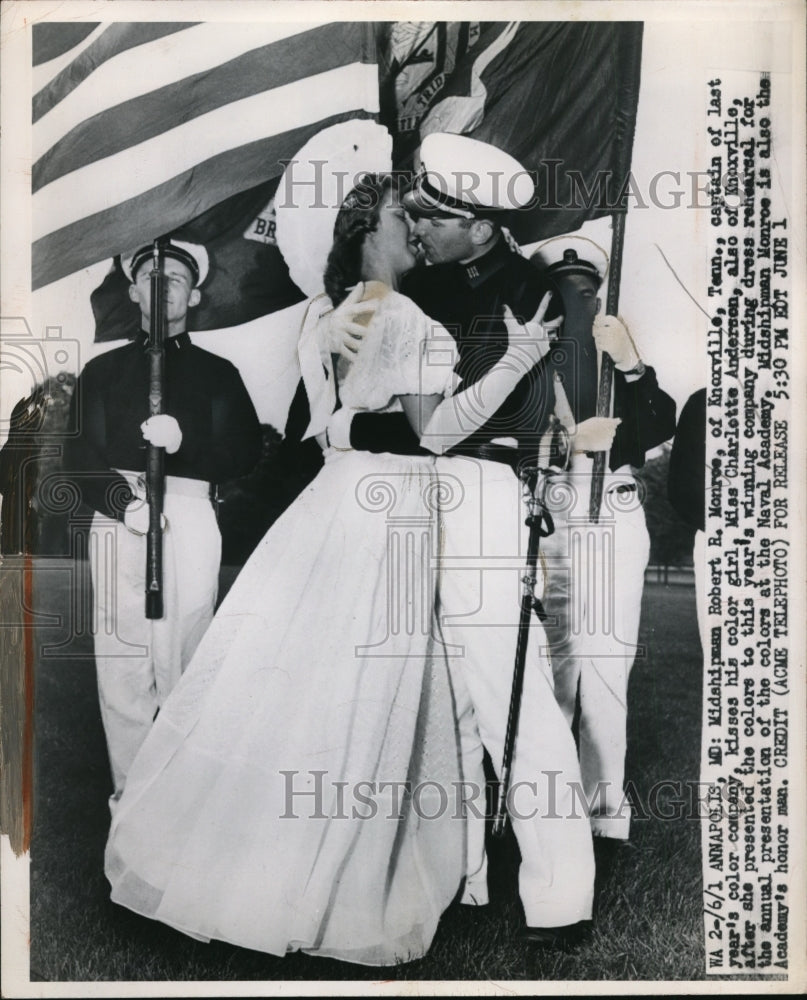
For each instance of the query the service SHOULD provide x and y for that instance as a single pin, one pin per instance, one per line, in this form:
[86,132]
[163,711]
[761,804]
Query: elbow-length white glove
[460,415]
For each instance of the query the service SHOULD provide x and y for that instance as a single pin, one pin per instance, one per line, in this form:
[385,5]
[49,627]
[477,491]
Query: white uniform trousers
[138,661]
[593,597]
[482,563]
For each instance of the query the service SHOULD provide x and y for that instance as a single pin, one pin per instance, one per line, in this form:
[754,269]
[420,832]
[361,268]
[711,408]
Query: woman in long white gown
[299,788]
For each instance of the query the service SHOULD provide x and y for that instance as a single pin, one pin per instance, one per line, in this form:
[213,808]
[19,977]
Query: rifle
[539,521]
[155,458]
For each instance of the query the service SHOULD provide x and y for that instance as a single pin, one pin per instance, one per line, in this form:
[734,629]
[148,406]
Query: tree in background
[35,511]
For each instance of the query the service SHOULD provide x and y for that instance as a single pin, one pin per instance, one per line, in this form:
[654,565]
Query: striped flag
[140,128]
[149,128]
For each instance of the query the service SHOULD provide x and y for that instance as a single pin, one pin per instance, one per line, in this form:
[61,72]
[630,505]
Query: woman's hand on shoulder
[344,329]
[529,343]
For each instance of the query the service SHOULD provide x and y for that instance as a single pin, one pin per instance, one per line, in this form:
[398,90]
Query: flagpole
[629,59]
[605,388]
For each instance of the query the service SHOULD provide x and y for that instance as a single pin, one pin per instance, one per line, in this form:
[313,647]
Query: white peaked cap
[463,176]
[192,255]
[572,255]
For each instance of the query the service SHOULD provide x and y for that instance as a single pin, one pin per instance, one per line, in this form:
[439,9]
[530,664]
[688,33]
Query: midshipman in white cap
[210,433]
[459,202]
[595,572]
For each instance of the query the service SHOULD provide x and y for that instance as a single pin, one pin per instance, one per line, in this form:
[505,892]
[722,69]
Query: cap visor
[414,202]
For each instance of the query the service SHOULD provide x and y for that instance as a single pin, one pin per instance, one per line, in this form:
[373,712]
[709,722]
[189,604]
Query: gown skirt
[300,787]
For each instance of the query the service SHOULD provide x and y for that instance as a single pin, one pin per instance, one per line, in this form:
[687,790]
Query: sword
[155,458]
[536,479]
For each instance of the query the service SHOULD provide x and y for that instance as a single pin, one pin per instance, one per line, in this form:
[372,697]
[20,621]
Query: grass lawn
[648,911]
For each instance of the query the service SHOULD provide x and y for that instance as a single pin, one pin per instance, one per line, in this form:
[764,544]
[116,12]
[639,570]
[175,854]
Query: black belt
[511,456]
[488,452]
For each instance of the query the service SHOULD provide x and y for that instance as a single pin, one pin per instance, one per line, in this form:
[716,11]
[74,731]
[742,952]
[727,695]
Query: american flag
[140,127]
[157,127]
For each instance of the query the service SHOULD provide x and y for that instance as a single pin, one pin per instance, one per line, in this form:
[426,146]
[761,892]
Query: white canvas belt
[177,485]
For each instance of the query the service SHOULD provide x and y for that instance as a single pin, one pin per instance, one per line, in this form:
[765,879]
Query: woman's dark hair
[358,216]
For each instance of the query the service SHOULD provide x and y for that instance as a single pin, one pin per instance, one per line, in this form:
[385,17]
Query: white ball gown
[297,790]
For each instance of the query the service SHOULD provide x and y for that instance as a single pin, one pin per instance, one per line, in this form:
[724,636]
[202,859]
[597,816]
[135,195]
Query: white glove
[460,415]
[512,243]
[529,342]
[163,432]
[341,331]
[595,434]
[611,335]
[136,517]
[338,433]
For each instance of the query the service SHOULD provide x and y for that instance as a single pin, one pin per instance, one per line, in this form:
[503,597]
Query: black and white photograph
[402,497]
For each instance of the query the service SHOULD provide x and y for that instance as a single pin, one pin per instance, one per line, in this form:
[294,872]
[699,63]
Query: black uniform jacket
[221,434]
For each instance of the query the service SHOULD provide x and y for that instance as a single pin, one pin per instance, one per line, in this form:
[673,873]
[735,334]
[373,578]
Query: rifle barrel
[155,459]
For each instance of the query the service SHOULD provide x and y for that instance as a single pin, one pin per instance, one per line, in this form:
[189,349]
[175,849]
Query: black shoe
[606,852]
[557,938]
